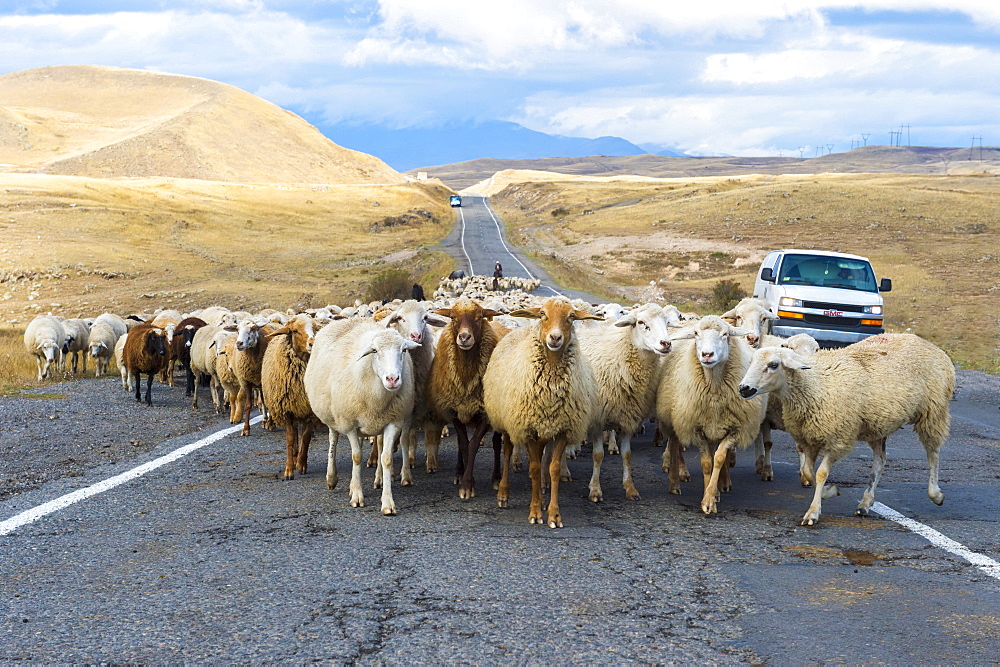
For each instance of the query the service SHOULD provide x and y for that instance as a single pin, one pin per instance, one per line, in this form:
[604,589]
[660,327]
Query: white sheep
[865,391]
[44,338]
[75,346]
[101,346]
[539,387]
[120,362]
[698,403]
[626,358]
[359,381]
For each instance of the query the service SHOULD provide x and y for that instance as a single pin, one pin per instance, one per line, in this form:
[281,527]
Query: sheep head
[411,320]
[752,314]
[556,317]
[467,318]
[711,335]
[386,349]
[802,344]
[767,370]
[301,334]
[156,342]
[649,327]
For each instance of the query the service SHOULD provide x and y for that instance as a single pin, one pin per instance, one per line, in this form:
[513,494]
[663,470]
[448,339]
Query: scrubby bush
[388,285]
[726,294]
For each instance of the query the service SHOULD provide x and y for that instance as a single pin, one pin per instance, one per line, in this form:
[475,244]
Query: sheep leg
[611,440]
[463,449]
[657,437]
[518,457]
[878,462]
[357,493]
[305,437]
[468,488]
[389,438]
[762,447]
[816,508]
[331,461]
[378,443]
[711,467]
[555,473]
[373,455]
[194,401]
[411,447]
[149,389]
[497,465]
[189,385]
[725,480]
[807,466]
[503,491]
[291,450]
[535,473]
[933,431]
[596,493]
[626,449]
[673,462]
[432,443]
[138,387]
[246,393]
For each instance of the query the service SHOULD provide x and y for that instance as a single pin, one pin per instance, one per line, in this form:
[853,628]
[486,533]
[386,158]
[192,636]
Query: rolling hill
[106,122]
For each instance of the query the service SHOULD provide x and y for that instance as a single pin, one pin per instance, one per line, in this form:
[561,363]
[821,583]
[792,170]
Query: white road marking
[36,513]
[984,563]
[504,243]
[461,214]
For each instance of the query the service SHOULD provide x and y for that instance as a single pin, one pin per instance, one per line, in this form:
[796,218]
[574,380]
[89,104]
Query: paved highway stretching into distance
[197,550]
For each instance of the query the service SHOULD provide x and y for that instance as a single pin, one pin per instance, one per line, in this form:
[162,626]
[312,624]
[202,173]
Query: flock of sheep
[543,376]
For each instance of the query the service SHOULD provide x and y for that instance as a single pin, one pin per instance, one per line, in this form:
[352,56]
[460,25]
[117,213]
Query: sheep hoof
[406,482]
[358,502]
[613,451]
[377,484]
[566,477]
[534,519]
[937,499]
[709,507]
[861,511]
[767,474]
[503,503]
[516,466]
[389,510]
[467,493]
[555,524]
[496,485]
[684,476]
[634,495]
[570,455]
[596,496]
[245,432]
[431,469]
[331,484]
[289,476]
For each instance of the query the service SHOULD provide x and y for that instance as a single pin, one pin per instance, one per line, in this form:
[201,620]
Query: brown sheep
[455,390]
[145,351]
[281,382]
[227,378]
[246,362]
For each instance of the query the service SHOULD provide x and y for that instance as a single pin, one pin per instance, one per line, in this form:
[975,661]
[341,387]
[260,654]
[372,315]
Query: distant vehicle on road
[831,296]
[455,200]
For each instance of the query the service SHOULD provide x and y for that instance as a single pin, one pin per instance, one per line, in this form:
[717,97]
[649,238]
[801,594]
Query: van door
[761,289]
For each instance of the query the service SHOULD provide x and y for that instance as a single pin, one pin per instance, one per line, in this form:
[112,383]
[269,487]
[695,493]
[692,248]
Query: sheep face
[612,312]
[767,370]
[48,348]
[555,329]
[711,335]
[386,351]
[751,315]
[247,335]
[96,347]
[411,320]
[467,322]
[302,335]
[649,327]
[156,342]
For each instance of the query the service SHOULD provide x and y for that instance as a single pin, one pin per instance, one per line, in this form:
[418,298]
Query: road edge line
[35,513]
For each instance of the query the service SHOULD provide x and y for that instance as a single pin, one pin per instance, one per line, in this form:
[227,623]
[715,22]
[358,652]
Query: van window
[825,271]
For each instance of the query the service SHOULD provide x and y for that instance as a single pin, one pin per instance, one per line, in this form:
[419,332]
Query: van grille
[820,305]
[840,321]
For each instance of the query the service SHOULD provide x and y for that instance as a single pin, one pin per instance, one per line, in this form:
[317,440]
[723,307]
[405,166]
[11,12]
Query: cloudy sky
[742,77]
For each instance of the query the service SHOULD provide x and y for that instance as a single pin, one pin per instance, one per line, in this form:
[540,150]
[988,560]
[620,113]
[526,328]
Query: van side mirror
[767,275]
[885,285]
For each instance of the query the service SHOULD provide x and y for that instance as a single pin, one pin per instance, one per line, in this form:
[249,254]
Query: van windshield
[826,271]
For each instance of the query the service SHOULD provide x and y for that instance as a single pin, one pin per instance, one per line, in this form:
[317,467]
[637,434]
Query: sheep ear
[444,312]
[435,321]
[684,334]
[410,345]
[793,361]
[729,315]
[282,330]
[584,315]
[736,331]
[489,313]
[533,313]
[371,351]
[627,320]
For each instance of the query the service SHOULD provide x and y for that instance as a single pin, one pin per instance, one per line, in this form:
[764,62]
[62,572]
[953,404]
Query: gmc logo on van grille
[833,313]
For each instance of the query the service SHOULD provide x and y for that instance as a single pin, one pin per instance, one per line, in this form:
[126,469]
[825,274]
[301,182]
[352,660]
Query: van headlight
[789,301]
[873,310]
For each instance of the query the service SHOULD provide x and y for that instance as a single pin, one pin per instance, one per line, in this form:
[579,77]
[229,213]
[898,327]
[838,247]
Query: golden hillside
[106,122]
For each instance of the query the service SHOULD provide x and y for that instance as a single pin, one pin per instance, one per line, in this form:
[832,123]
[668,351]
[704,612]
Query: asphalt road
[213,557]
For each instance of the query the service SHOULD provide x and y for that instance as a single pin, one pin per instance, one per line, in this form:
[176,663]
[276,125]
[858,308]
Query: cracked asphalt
[215,558]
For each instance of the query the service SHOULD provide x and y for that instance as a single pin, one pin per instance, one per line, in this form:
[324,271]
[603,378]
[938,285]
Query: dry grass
[937,237]
[79,246]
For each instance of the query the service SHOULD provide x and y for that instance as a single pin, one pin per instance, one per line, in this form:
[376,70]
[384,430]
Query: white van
[832,296]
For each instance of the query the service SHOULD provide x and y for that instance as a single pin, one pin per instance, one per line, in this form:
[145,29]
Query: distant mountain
[408,148]
[108,122]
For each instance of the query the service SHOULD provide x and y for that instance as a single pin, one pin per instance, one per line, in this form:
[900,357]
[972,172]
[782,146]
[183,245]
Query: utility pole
[865,137]
[829,148]
[801,150]
[907,134]
[973,147]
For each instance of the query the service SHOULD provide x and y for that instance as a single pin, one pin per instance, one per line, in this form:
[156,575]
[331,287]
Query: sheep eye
[773,365]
